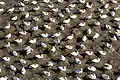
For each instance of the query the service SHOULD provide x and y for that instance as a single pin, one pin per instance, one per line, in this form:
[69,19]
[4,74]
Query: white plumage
[22,4]
[47,26]
[79,71]
[8,36]
[107,66]
[1,9]
[97,23]
[82,24]
[29,49]
[43,45]
[114,38]
[106,6]
[117,19]
[118,78]
[7,26]
[96,60]
[84,38]
[11,9]
[62,78]
[103,16]
[117,7]
[2,3]
[96,35]
[69,47]
[34,2]
[82,46]
[45,13]
[23,71]
[14,18]
[36,19]
[112,13]
[46,1]
[78,61]
[21,8]
[15,53]
[60,14]
[102,52]
[44,35]
[62,58]
[108,26]
[78,78]
[60,1]
[7,45]
[22,61]
[90,16]
[92,76]
[62,68]
[39,56]
[72,5]
[82,10]
[13,68]
[55,9]
[18,40]
[16,78]
[51,5]
[26,0]
[89,52]
[27,15]
[92,68]
[89,31]
[53,49]
[36,8]
[113,1]
[101,11]
[105,76]
[73,16]
[88,5]
[75,53]
[34,65]
[6,58]
[27,23]
[67,10]
[62,28]
[32,41]
[4,78]
[57,34]
[52,19]
[82,1]
[47,73]
[23,32]
[50,63]
[66,21]
[57,41]
[70,37]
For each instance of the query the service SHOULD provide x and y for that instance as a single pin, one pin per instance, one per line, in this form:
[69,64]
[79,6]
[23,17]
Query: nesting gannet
[92,76]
